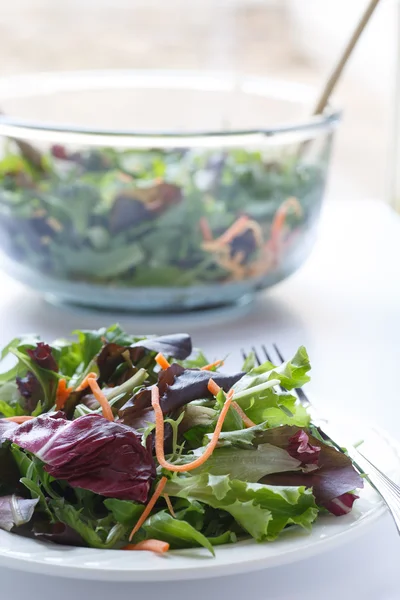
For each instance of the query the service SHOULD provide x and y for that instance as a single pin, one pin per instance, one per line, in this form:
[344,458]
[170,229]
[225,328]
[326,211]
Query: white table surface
[344,306]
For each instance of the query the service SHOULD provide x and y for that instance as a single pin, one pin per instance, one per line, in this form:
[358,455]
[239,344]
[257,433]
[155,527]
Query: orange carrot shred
[234,230]
[150,545]
[169,504]
[101,399]
[85,382]
[216,363]
[155,402]
[150,505]
[279,219]
[62,394]
[162,361]
[91,381]
[248,422]
[205,230]
[19,420]
[213,387]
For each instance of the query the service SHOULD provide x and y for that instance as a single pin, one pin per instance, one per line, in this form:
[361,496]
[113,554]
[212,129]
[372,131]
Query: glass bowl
[158,191]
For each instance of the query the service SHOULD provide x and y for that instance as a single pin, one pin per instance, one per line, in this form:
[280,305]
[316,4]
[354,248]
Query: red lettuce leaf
[43,357]
[299,447]
[178,386]
[31,391]
[342,505]
[91,453]
[334,477]
[6,429]
[177,345]
[16,511]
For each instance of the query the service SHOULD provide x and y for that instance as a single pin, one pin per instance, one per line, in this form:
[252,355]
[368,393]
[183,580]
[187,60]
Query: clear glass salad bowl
[150,191]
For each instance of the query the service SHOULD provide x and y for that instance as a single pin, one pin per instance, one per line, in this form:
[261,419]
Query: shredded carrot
[169,504]
[62,394]
[101,399]
[150,505]
[205,230]
[85,382]
[162,361]
[150,545]
[18,420]
[91,381]
[155,402]
[217,363]
[279,220]
[248,422]
[238,227]
[213,387]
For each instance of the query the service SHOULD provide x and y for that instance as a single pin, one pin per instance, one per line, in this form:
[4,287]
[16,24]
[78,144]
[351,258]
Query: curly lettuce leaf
[291,374]
[263,511]
[268,404]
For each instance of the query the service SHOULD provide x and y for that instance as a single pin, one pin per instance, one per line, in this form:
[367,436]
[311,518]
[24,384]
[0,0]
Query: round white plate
[113,565]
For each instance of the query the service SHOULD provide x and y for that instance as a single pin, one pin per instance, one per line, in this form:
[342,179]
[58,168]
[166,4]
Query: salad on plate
[115,441]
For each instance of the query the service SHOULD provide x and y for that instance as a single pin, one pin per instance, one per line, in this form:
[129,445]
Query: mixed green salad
[174,217]
[121,442]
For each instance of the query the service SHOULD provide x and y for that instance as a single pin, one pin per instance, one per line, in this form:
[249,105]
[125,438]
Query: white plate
[113,565]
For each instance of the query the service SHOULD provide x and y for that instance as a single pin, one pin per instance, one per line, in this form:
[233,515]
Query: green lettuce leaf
[179,534]
[124,511]
[9,400]
[247,465]
[291,373]
[268,404]
[96,534]
[263,511]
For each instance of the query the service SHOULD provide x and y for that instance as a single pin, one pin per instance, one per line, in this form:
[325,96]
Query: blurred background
[289,39]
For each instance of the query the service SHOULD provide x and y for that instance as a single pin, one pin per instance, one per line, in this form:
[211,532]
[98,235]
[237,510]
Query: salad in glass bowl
[114,441]
[142,220]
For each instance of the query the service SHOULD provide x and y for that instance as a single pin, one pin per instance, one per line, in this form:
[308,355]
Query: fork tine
[243,353]
[278,353]
[258,361]
[267,356]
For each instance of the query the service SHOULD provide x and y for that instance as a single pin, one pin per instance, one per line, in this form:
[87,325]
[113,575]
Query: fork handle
[386,488]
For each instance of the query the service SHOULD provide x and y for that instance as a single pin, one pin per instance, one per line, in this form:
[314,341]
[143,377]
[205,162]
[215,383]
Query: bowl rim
[45,83]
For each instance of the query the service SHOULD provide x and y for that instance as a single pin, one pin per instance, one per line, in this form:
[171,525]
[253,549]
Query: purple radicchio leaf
[91,453]
[178,386]
[341,505]
[15,511]
[334,476]
[178,345]
[31,391]
[43,357]
[6,429]
[299,447]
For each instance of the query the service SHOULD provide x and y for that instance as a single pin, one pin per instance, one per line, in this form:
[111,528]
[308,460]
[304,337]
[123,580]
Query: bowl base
[193,316]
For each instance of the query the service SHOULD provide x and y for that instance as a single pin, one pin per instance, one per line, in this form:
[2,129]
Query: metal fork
[386,488]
